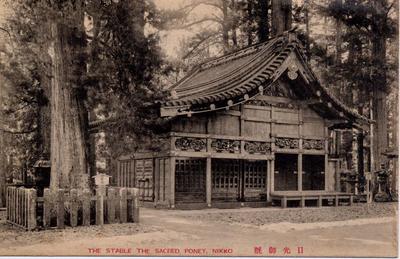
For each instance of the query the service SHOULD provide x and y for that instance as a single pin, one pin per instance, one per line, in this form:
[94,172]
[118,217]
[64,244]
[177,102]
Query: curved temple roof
[244,74]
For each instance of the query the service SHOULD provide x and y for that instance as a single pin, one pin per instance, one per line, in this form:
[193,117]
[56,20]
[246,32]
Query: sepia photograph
[199,128]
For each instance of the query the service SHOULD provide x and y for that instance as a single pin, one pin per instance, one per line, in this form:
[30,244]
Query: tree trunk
[2,172]
[250,20]
[379,94]
[234,23]
[338,36]
[225,26]
[92,152]
[262,20]
[380,127]
[69,168]
[307,21]
[281,16]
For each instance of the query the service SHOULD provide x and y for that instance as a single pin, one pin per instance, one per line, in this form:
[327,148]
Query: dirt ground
[360,230]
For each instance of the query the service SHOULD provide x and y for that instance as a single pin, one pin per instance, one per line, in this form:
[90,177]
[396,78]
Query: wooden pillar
[320,201]
[326,164]
[300,157]
[284,202]
[172,183]
[267,185]
[300,172]
[337,175]
[208,181]
[302,202]
[272,175]
[326,169]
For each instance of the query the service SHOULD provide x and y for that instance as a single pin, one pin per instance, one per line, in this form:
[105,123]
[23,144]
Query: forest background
[117,59]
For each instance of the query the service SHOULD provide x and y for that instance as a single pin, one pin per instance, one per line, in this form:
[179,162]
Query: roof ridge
[215,61]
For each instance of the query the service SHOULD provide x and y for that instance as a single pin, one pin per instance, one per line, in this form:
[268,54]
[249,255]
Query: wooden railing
[21,207]
[72,208]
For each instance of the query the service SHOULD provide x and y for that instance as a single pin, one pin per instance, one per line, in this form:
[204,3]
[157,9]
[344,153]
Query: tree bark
[262,20]
[234,24]
[281,16]
[69,167]
[379,94]
[2,171]
[250,20]
[307,21]
[339,39]
[225,26]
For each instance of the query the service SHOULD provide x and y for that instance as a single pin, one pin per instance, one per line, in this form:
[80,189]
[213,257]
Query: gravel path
[360,230]
[14,236]
[300,215]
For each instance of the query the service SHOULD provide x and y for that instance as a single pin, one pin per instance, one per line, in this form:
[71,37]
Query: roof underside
[244,74]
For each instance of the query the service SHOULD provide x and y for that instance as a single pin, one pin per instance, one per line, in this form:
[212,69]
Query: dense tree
[125,70]
[113,73]
[369,26]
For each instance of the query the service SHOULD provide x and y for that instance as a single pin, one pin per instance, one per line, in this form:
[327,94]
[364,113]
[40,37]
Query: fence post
[74,207]
[116,202]
[25,202]
[17,206]
[86,208]
[60,208]
[99,207]
[135,205]
[46,208]
[123,206]
[32,209]
[11,203]
[110,205]
[14,204]
[7,202]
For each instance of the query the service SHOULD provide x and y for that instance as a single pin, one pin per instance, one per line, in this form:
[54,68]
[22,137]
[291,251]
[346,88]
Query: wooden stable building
[247,128]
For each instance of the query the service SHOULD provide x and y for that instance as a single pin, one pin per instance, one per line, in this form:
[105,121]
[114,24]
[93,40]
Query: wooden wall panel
[255,113]
[286,115]
[195,124]
[286,129]
[224,125]
[313,129]
[309,114]
[257,129]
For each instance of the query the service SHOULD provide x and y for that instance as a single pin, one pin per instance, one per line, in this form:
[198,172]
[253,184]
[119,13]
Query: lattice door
[255,180]
[190,180]
[225,180]
[238,180]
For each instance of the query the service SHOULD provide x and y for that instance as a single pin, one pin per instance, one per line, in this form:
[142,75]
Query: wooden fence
[21,207]
[72,208]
